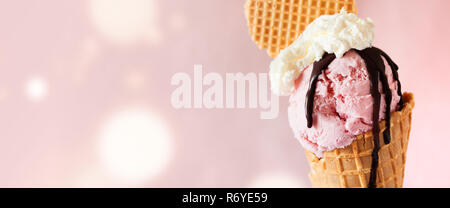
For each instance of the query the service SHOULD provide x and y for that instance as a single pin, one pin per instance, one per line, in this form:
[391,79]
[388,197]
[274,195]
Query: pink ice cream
[343,104]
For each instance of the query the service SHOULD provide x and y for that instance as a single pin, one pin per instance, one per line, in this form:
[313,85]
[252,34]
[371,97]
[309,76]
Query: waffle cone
[350,167]
[275,24]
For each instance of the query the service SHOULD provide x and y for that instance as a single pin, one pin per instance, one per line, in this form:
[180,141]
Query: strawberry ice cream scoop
[343,104]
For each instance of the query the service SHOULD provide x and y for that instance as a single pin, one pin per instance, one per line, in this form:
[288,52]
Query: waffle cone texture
[350,167]
[275,24]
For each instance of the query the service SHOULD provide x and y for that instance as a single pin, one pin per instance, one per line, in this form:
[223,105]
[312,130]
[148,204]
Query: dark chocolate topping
[377,72]
[318,67]
[394,68]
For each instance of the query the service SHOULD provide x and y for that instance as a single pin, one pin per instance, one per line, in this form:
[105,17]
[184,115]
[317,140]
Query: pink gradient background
[88,69]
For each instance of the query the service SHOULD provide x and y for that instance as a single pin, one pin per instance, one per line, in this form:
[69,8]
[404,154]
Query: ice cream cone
[275,24]
[350,167]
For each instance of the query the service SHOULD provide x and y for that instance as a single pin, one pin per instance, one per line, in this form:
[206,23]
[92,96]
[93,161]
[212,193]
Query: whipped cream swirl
[334,34]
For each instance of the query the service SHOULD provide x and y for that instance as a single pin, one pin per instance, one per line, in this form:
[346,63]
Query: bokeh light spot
[135,146]
[126,21]
[36,89]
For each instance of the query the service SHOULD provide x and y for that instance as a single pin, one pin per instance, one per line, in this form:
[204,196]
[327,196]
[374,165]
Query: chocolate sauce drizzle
[377,72]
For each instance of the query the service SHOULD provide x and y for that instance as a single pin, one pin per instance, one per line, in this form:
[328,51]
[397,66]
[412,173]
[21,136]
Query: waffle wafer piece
[350,167]
[275,24]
